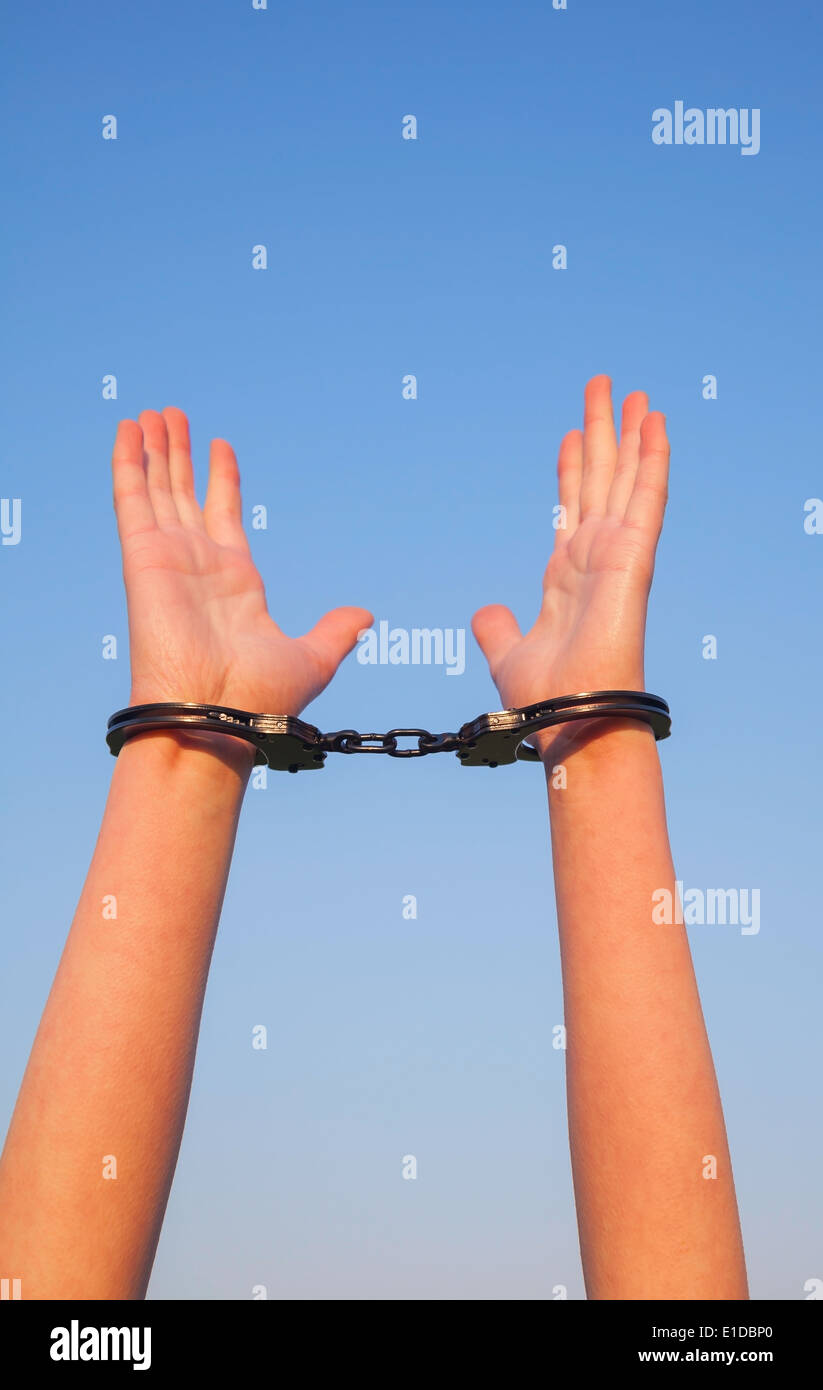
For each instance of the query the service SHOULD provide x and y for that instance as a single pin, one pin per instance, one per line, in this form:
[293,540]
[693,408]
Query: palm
[590,629]
[200,630]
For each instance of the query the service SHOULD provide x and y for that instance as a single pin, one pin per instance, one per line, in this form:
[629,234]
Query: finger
[132,503]
[335,634]
[181,473]
[569,473]
[156,446]
[648,500]
[635,410]
[223,512]
[497,631]
[599,447]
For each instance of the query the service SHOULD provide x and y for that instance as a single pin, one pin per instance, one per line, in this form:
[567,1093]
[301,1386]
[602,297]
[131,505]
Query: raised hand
[590,629]
[198,623]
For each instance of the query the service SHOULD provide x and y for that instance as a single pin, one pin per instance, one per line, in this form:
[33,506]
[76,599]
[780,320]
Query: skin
[643,1102]
[111,1066]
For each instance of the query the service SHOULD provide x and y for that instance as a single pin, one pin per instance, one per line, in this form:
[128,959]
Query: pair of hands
[200,629]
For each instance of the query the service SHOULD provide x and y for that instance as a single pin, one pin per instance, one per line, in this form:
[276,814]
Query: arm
[111,1066]
[644,1107]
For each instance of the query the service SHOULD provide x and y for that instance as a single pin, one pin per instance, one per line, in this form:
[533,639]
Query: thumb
[335,634]
[497,631]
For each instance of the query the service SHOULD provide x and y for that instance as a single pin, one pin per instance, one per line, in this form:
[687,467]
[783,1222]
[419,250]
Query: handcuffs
[287,744]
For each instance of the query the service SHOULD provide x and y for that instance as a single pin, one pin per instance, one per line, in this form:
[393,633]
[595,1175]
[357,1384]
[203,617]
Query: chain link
[350,741]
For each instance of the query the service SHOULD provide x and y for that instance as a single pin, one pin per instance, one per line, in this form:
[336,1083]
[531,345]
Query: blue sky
[433,257]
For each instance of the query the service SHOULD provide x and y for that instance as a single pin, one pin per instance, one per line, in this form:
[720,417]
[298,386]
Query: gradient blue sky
[432,257]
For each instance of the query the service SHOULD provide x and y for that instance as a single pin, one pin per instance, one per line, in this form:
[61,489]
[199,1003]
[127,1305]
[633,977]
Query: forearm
[644,1107]
[109,1075]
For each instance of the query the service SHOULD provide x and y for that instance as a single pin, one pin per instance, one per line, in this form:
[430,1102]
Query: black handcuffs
[287,744]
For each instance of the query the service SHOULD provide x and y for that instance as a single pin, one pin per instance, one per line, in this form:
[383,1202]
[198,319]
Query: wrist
[217,758]
[588,742]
